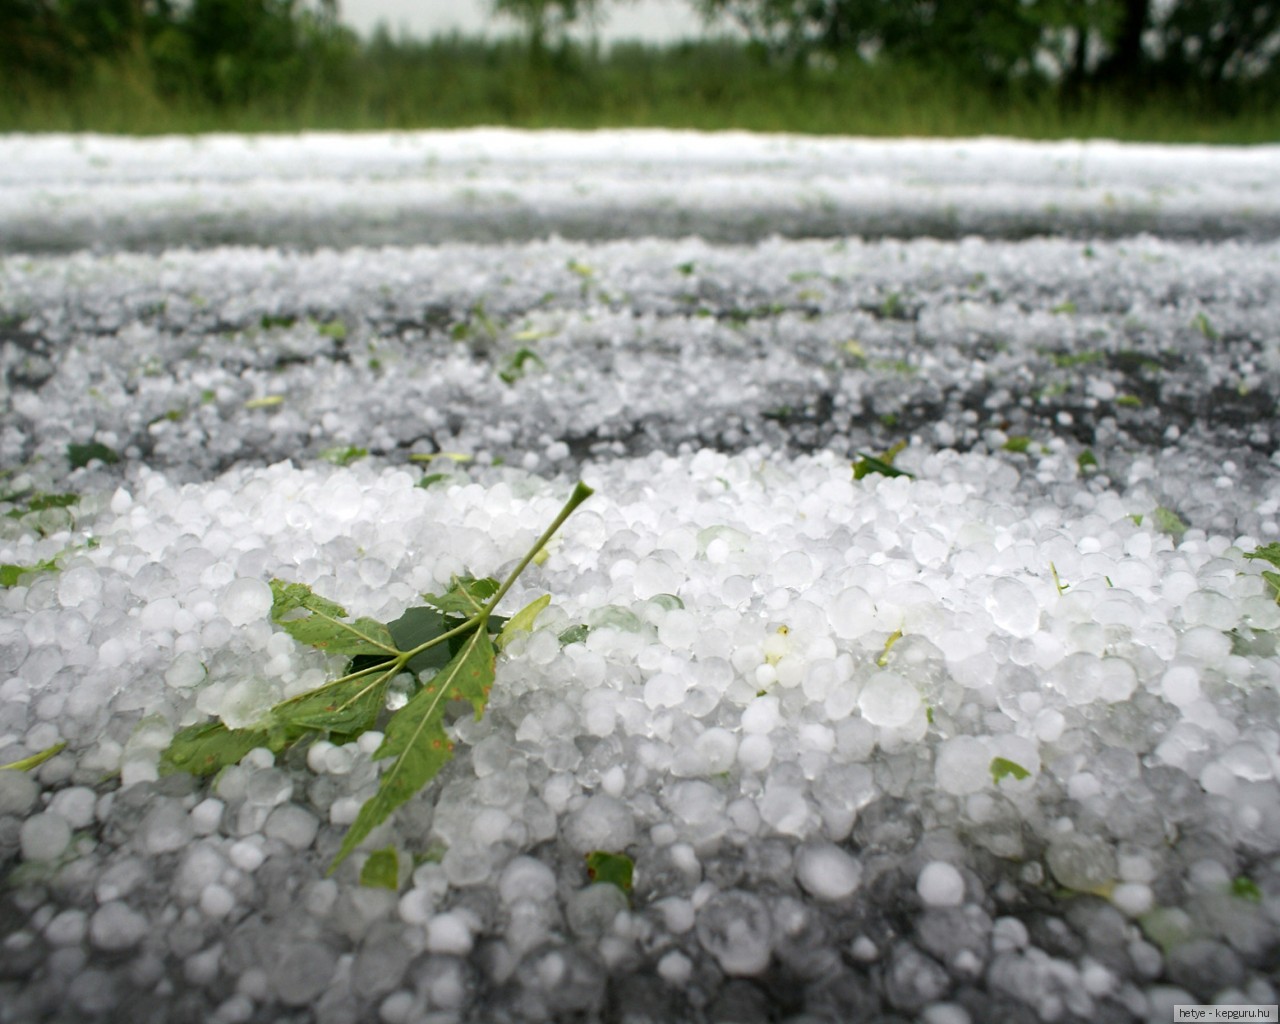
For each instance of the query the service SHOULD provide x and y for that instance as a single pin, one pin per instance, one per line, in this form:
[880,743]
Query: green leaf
[1003,768]
[80,455]
[347,706]
[1086,460]
[39,501]
[522,621]
[882,464]
[611,868]
[1267,553]
[35,760]
[1245,888]
[341,455]
[322,626]
[576,634]
[516,366]
[466,595]
[1167,521]
[207,748]
[10,574]
[1201,323]
[1273,580]
[416,739]
[382,870]
[1017,445]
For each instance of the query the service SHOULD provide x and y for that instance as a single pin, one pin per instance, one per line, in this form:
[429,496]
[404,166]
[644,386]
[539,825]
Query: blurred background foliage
[1156,69]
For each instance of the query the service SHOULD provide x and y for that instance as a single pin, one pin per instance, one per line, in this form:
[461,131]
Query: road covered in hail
[914,659]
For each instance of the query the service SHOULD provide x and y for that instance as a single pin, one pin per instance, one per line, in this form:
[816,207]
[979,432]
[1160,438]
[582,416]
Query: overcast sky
[651,20]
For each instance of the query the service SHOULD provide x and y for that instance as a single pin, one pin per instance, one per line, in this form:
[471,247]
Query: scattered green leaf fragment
[35,760]
[429,456]
[271,320]
[1167,521]
[312,619]
[433,478]
[341,455]
[533,334]
[687,269]
[415,738]
[208,396]
[522,621]
[1201,323]
[40,502]
[1086,460]
[516,366]
[1017,444]
[576,634]
[382,870]
[1129,401]
[1070,360]
[1065,307]
[335,329]
[1136,517]
[265,402]
[1003,768]
[667,602]
[579,268]
[882,463]
[1057,582]
[10,574]
[894,637]
[1245,888]
[80,455]
[611,869]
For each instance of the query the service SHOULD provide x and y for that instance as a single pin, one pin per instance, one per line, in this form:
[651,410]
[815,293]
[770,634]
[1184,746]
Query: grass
[711,85]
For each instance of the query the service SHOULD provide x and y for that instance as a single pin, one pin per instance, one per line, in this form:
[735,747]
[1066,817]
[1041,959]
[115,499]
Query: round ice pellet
[44,836]
[244,601]
[888,701]
[940,884]
[827,872]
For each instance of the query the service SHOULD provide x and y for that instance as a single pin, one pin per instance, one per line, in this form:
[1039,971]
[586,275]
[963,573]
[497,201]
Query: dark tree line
[220,51]
[1208,45]
[226,52]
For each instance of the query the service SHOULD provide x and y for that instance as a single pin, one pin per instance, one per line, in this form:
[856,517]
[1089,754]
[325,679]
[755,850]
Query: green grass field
[456,82]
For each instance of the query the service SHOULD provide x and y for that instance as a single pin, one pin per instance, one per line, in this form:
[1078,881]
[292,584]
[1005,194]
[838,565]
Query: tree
[544,20]
[1209,45]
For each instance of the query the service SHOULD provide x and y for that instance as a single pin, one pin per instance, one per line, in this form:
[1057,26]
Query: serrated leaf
[611,868]
[1273,580]
[322,625]
[347,706]
[416,739]
[207,748]
[466,595]
[522,621]
[1266,553]
[382,870]
[1003,768]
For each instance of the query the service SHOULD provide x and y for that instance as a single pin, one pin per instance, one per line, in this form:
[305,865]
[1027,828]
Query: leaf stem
[580,494]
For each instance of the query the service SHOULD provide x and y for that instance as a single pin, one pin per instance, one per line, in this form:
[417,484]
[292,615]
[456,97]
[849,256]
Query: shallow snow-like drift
[810,800]
[59,193]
